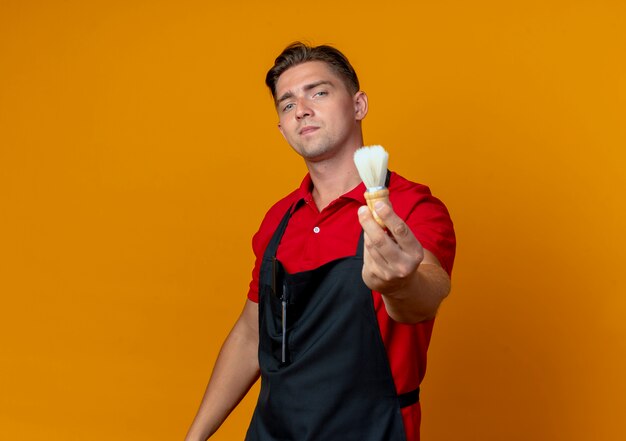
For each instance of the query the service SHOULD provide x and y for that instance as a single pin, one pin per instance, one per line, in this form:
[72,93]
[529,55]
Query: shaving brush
[371,163]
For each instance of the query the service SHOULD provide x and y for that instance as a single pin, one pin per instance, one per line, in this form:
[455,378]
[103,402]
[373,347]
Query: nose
[303,110]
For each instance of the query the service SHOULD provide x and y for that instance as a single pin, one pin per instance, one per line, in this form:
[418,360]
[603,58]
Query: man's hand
[389,258]
[395,264]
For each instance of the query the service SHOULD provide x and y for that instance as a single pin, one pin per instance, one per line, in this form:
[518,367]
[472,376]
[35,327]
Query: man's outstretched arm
[235,371]
[410,278]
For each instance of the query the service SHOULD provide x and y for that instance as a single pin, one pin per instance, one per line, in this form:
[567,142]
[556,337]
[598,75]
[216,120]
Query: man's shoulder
[404,194]
[401,184]
[427,216]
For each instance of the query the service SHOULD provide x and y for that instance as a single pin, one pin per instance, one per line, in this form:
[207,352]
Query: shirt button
[316,230]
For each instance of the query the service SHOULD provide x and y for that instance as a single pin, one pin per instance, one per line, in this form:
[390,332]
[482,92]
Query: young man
[340,312]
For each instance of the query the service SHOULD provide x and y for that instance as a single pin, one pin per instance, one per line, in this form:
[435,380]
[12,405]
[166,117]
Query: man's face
[317,114]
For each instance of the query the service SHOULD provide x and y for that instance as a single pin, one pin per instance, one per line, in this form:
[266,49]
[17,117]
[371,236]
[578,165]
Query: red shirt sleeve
[433,227]
[427,217]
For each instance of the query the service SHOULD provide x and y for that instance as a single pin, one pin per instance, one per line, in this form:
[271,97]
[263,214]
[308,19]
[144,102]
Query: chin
[316,155]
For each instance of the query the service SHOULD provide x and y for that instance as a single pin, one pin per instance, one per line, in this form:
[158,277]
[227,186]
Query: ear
[360,105]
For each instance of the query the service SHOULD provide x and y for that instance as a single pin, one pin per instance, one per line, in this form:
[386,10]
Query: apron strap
[359,246]
[409,398]
[280,230]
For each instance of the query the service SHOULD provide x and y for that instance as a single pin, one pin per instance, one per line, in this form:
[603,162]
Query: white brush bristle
[371,162]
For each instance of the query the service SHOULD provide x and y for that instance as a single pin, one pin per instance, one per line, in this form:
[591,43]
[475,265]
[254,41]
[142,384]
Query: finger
[400,231]
[369,224]
[372,229]
[378,239]
[372,252]
[391,264]
[372,271]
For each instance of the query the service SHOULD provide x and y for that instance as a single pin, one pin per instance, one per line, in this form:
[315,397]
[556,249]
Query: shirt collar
[304,193]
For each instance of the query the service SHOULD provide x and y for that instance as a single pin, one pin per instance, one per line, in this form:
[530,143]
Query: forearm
[235,371]
[419,299]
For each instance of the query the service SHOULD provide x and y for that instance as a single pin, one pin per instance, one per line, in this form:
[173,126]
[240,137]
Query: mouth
[307,129]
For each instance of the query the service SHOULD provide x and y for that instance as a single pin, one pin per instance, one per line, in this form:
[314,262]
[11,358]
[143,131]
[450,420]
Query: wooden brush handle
[372,197]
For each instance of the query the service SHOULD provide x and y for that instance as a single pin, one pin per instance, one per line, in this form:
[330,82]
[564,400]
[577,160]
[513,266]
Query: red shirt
[313,238]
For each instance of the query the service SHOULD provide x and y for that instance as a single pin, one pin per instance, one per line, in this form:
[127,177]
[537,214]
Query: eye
[288,107]
[321,93]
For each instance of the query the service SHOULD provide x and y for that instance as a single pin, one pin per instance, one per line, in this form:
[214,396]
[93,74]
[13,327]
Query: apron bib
[324,369]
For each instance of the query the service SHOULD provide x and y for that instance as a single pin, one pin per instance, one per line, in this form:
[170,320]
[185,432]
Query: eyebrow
[289,94]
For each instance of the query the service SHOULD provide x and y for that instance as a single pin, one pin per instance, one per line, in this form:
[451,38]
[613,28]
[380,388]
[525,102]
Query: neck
[333,177]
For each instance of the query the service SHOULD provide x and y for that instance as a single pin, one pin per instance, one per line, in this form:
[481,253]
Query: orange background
[139,152]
